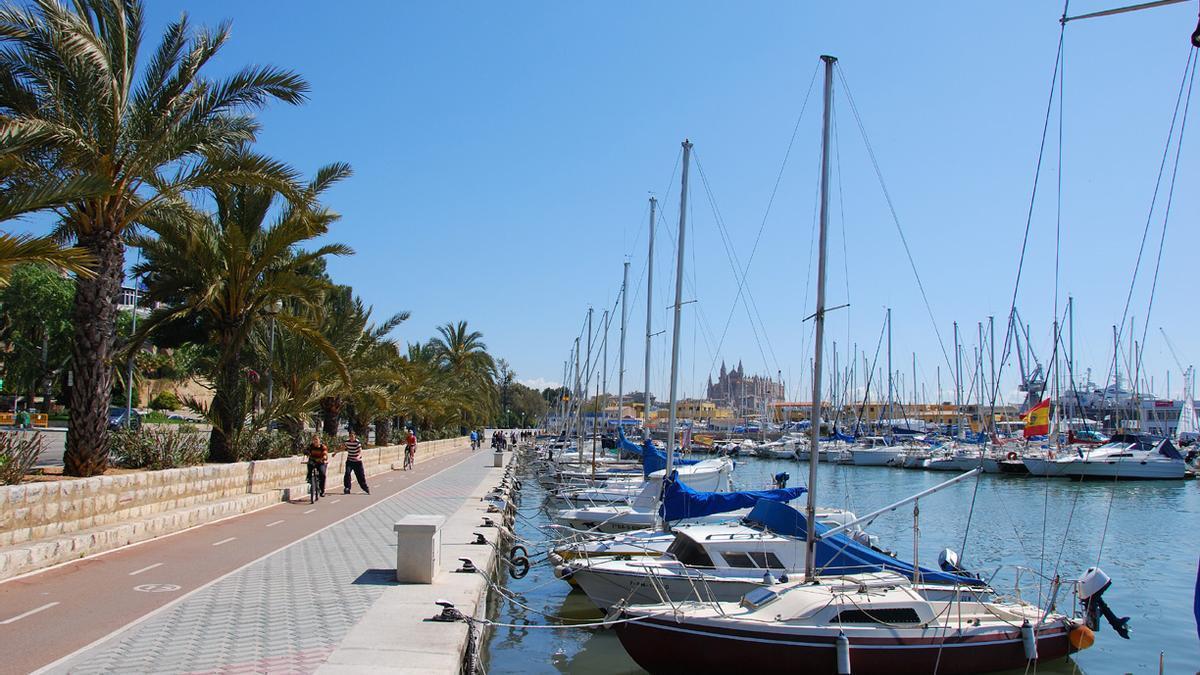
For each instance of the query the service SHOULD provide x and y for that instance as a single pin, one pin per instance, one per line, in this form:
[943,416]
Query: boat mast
[578,406]
[621,358]
[958,430]
[810,539]
[683,190]
[649,317]
[890,421]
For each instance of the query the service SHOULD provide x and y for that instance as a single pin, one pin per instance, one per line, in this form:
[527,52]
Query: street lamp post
[129,371]
[273,311]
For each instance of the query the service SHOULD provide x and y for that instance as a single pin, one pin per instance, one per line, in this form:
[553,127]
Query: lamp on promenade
[273,311]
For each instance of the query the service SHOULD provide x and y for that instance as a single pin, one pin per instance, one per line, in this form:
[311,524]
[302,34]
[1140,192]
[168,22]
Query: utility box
[418,548]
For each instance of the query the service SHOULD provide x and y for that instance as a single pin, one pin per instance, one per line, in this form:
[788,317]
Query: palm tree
[21,248]
[368,353]
[224,270]
[463,354]
[79,107]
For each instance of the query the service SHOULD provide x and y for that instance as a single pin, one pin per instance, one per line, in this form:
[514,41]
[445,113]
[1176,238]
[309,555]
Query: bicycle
[314,490]
[409,454]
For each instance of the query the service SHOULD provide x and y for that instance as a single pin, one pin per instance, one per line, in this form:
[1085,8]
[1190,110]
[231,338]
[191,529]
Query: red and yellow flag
[1037,419]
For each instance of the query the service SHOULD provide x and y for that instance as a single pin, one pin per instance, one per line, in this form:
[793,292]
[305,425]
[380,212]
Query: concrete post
[498,459]
[418,548]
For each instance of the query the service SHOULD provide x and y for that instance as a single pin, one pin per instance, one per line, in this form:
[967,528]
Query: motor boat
[1126,457]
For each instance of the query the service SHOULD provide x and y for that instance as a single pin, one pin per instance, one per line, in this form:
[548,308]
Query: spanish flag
[1037,419]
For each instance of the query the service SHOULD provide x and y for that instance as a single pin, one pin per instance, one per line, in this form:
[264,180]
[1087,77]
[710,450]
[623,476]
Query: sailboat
[842,622]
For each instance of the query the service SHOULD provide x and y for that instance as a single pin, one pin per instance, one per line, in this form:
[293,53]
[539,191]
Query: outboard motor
[1090,589]
[781,480]
[948,562]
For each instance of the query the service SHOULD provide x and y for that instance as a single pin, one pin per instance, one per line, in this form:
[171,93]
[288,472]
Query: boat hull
[886,457]
[664,646]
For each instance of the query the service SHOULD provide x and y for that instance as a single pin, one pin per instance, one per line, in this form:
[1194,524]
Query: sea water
[1142,534]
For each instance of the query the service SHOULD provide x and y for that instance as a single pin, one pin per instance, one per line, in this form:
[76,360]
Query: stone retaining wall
[42,524]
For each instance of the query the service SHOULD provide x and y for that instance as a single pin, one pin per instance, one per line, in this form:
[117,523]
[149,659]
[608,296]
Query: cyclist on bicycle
[410,450]
[318,457]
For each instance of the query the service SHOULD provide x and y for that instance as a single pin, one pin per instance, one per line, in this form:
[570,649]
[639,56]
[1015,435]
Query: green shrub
[18,453]
[166,400]
[250,445]
[160,448]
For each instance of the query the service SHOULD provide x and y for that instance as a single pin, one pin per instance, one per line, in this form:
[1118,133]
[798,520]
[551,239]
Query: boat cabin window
[689,552]
[752,560]
[881,615]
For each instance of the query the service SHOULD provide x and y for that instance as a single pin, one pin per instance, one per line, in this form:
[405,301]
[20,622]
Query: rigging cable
[770,202]
[892,208]
[1189,78]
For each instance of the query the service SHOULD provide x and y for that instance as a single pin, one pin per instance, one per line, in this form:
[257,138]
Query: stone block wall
[43,524]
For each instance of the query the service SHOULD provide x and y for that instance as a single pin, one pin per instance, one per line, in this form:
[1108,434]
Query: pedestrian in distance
[354,464]
[474,441]
[318,457]
[410,450]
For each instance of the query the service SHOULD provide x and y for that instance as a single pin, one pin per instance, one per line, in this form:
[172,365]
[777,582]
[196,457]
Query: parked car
[116,418]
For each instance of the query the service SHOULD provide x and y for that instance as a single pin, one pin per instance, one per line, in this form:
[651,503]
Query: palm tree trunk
[331,410]
[94,316]
[383,431]
[228,404]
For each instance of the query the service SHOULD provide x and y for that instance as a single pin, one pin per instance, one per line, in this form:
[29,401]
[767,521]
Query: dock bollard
[497,459]
[418,548]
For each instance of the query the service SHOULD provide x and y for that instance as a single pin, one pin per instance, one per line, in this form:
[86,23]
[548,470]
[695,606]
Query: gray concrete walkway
[288,611]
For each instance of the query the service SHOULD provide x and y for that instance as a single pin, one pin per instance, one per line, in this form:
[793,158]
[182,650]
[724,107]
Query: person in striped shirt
[354,463]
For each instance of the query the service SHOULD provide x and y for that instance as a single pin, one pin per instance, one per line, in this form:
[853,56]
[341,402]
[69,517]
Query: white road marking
[274,523]
[145,569]
[157,588]
[224,541]
[335,501]
[309,511]
[29,613]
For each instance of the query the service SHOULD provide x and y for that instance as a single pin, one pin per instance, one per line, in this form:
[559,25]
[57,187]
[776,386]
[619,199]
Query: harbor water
[1143,534]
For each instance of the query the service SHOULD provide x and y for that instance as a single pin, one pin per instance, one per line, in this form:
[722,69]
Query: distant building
[744,395]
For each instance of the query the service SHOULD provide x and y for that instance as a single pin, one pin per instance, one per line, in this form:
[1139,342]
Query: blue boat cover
[653,459]
[1196,600]
[680,501]
[840,554]
[839,436]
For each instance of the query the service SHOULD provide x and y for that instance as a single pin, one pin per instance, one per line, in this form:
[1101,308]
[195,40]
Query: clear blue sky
[504,153]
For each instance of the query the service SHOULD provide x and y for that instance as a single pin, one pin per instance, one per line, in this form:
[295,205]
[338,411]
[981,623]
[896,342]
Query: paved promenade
[274,590]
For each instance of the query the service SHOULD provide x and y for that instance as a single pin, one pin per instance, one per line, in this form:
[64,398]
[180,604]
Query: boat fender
[1012,456]
[1081,637]
[517,551]
[1029,640]
[519,568]
[768,579]
[1090,589]
[843,654]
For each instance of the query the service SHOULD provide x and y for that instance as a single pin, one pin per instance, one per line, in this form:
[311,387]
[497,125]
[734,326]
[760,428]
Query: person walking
[354,464]
[474,441]
[318,456]
[410,450]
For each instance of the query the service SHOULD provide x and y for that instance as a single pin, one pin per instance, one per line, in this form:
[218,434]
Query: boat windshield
[689,552]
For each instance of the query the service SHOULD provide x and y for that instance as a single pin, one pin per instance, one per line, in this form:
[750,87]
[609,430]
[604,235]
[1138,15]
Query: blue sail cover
[839,436]
[653,459]
[680,501]
[840,554]
[625,445]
